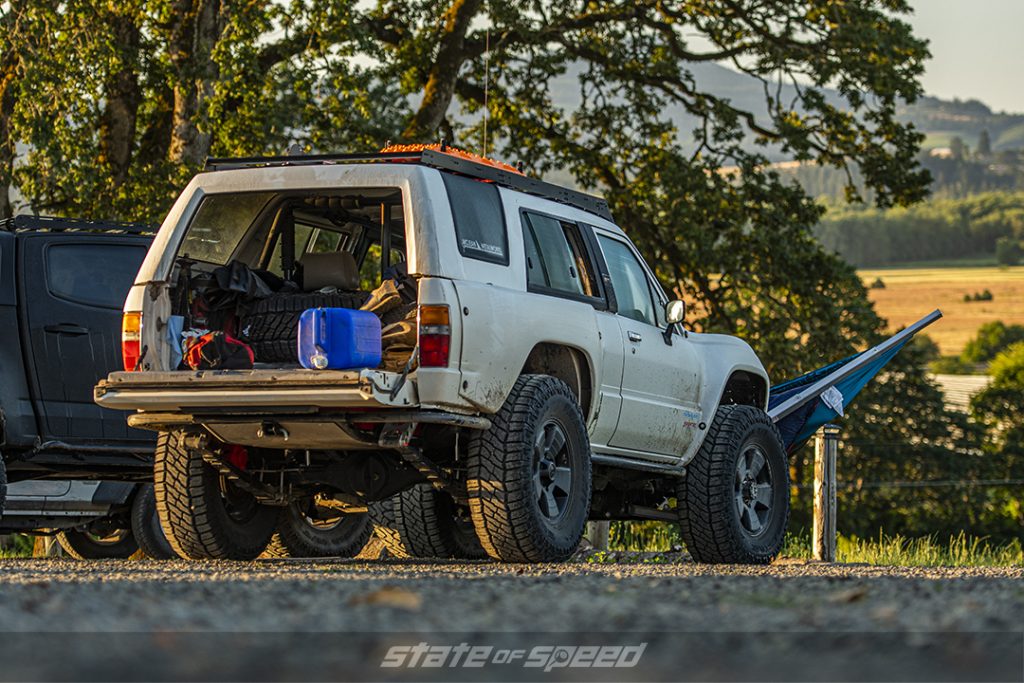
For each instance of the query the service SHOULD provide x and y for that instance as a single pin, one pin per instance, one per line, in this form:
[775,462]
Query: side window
[555,257]
[325,241]
[479,219]
[632,290]
[97,275]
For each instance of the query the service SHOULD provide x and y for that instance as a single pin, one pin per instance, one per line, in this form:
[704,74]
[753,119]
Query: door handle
[634,336]
[65,328]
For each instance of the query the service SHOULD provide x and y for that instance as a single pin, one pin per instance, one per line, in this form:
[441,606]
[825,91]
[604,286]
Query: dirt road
[337,620]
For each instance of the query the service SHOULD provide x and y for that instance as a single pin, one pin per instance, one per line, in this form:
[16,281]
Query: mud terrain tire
[529,477]
[146,526]
[82,545]
[422,522]
[734,500]
[297,536]
[203,517]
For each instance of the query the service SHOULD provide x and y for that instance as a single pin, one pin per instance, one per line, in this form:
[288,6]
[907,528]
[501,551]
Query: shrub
[1008,251]
[951,365]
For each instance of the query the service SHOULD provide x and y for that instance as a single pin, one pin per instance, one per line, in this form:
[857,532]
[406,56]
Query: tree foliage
[1000,406]
[991,339]
[939,229]
[120,103]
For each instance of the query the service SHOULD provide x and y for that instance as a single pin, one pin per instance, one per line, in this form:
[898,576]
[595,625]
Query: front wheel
[203,514]
[303,531]
[530,474]
[734,500]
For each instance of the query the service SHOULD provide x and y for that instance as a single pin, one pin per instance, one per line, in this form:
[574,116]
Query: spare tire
[272,325]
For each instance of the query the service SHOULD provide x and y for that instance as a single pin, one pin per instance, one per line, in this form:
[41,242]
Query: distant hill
[942,120]
[939,119]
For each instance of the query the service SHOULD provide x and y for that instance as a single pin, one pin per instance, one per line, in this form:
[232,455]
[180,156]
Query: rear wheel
[424,522]
[530,474]
[204,515]
[146,526]
[734,500]
[99,541]
[302,532]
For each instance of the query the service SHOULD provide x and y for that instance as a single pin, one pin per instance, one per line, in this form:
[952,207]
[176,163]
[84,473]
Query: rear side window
[219,225]
[479,219]
[97,275]
[556,259]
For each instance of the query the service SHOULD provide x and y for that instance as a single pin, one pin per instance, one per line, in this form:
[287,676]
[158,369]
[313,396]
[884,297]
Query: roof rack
[25,223]
[434,159]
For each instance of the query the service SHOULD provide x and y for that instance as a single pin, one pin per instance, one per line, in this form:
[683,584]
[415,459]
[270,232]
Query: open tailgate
[201,390]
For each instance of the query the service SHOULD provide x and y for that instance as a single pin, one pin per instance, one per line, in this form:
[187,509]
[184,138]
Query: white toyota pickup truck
[552,380]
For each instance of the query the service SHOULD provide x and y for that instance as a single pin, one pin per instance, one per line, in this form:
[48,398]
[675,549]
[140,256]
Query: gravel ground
[335,619]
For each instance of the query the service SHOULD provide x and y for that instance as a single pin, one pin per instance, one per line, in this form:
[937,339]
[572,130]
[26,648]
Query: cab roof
[434,158]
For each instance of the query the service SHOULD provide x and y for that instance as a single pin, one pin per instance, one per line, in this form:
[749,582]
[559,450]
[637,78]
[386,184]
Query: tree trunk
[123,97]
[9,62]
[7,100]
[444,74]
[193,39]
[155,140]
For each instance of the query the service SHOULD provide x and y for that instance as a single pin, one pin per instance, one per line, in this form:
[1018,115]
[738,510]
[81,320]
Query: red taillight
[435,336]
[131,340]
[434,350]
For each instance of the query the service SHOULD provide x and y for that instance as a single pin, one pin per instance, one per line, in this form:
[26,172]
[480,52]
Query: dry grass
[911,293]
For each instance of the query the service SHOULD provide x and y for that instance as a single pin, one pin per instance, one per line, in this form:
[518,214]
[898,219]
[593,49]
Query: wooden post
[826,449]
[46,546]
[597,534]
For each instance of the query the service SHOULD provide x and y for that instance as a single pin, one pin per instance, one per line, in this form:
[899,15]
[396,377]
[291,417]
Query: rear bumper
[202,391]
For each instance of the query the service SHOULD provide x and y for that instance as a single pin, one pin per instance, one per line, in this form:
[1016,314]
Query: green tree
[1008,251]
[990,340]
[958,148]
[999,406]
[1000,409]
[984,149]
[13,36]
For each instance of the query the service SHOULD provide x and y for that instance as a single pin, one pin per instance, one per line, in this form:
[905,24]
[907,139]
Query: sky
[977,50]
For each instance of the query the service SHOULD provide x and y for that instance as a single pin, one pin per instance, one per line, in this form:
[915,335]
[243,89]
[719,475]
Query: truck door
[660,382]
[72,291]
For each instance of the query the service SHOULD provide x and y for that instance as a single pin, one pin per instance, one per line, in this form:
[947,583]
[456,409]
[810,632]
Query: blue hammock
[802,405]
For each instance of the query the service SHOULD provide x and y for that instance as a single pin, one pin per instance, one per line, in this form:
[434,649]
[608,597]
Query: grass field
[927,551]
[896,550]
[910,293]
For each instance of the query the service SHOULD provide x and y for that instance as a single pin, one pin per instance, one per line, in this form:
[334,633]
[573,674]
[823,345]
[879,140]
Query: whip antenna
[487,73]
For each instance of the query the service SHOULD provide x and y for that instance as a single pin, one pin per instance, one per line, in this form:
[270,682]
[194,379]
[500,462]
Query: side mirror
[675,311]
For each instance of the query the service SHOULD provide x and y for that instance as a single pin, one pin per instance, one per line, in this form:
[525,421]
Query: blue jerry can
[339,339]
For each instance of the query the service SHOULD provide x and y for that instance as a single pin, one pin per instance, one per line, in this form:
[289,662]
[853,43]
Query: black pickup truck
[62,287]
[75,468]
